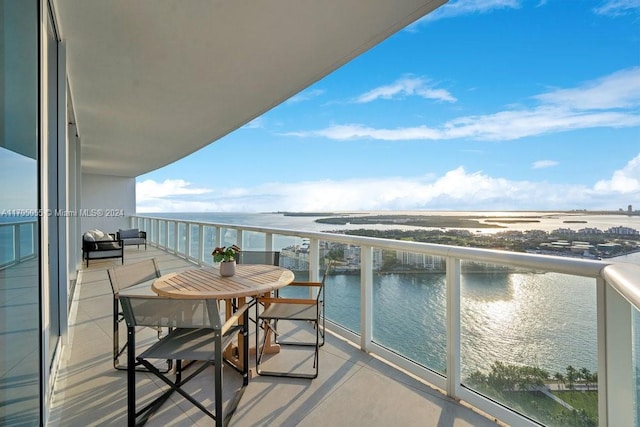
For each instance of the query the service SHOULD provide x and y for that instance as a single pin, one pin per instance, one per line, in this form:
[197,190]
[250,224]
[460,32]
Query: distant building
[564,231]
[590,230]
[429,262]
[624,231]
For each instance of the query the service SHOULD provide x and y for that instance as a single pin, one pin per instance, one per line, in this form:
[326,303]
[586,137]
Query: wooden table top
[249,280]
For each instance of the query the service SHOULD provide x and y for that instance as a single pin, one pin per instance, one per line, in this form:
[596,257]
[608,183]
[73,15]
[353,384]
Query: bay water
[547,320]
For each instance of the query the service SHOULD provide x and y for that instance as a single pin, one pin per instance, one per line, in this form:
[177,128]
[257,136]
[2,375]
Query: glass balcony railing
[18,240]
[528,339]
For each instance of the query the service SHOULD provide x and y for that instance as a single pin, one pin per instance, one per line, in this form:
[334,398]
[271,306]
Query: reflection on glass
[529,341]
[342,304]
[171,235]
[253,241]
[409,306]
[19,263]
[162,233]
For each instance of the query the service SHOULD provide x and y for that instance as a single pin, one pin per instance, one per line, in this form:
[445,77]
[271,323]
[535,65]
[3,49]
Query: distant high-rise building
[630,209]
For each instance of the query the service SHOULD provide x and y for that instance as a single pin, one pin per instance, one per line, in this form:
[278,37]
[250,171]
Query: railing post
[17,256]
[166,236]
[268,242]
[200,244]
[616,389]
[453,326]
[366,297]
[156,226]
[314,259]
[187,240]
[176,234]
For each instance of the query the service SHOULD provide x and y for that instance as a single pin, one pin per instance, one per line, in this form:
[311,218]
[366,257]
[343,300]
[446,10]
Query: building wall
[107,202]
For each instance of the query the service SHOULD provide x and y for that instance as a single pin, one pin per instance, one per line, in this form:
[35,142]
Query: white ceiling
[155,80]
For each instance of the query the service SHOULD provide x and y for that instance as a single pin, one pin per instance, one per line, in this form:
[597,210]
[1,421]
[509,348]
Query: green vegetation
[412,220]
[309,214]
[514,241]
[526,389]
[586,402]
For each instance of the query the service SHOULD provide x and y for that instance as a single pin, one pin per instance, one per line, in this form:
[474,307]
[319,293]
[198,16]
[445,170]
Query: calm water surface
[540,319]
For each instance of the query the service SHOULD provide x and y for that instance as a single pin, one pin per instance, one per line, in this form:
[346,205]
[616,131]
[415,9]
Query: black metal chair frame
[117,286]
[258,257]
[276,310]
[222,334]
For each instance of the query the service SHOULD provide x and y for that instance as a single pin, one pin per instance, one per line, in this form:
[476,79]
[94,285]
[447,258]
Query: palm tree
[559,378]
[572,376]
[586,376]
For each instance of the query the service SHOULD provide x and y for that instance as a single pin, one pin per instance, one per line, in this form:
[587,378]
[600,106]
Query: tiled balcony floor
[353,389]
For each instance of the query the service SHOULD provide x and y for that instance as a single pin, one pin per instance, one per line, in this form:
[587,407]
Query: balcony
[89,391]
[365,376]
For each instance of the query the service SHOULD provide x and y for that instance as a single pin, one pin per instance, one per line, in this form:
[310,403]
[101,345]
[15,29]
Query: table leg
[234,353]
[270,347]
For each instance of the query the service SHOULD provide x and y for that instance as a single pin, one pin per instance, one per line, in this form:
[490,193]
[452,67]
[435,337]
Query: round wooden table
[202,283]
[249,280]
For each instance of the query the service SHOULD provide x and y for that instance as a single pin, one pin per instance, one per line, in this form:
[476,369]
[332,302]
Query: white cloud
[503,126]
[618,7]
[623,181]
[455,190]
[353,131]
[543,164]
[465,7]
[257,123]
[305,96]
[617,90]
[611,101]
[149,190]
[406,86]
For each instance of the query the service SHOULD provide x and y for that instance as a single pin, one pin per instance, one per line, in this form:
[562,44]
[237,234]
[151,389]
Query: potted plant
[226,256]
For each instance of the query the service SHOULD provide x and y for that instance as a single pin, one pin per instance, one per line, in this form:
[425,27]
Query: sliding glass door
[20,219]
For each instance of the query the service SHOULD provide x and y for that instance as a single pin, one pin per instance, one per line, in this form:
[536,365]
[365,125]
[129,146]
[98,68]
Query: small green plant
[225,254]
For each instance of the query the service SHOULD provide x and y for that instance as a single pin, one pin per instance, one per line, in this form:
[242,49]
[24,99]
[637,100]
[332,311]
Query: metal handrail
[17,256]
[617,289]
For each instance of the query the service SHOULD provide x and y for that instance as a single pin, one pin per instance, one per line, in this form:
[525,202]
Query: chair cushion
[291,311]
[91,239]
[99,235]
[105,246]
[129,234]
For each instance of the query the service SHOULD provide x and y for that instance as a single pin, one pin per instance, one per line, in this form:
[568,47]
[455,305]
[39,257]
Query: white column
[314,259]
[616,388]
[366,297]
[453,326]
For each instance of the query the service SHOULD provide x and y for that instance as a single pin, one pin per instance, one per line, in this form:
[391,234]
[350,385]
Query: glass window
[19,220]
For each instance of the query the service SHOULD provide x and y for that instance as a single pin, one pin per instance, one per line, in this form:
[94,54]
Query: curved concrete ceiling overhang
[153,81]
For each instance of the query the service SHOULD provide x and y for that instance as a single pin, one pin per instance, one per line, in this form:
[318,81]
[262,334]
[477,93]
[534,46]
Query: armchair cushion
[106,246]
[132,233]
[132,236]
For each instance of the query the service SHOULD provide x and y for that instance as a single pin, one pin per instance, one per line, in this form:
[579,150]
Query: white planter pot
[227,268]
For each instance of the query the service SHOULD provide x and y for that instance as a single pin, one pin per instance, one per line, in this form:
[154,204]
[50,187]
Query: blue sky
[481,105]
